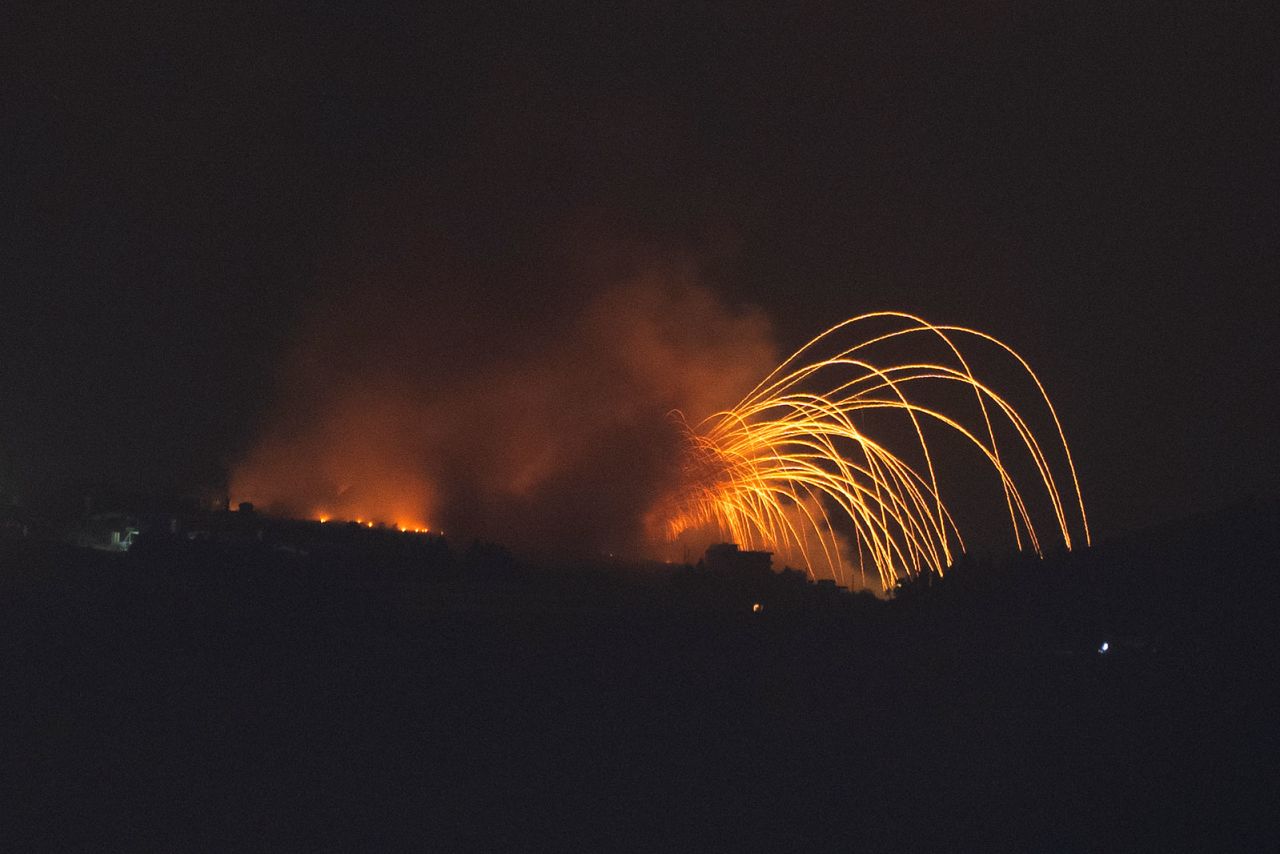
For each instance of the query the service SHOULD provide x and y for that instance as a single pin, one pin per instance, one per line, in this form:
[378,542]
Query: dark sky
[1096,185]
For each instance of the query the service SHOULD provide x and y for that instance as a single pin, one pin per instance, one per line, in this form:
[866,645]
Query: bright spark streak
[788,467]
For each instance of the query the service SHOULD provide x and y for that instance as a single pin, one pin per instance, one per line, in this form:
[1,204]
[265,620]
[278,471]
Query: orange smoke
[547,431]
[354,463]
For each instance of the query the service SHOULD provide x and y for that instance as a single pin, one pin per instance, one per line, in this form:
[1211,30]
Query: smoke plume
[541,422]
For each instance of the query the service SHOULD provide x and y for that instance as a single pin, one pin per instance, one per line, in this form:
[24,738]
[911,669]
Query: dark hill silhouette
[190,695]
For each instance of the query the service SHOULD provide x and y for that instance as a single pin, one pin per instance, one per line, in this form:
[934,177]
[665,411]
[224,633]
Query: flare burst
[791,469]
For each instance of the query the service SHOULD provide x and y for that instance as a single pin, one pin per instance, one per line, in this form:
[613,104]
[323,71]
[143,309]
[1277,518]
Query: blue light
[1103,649]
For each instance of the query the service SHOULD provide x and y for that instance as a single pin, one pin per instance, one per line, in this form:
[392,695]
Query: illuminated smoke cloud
[543,427]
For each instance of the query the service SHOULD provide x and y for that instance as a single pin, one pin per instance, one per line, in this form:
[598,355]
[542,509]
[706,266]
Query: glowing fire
[403,527]
[789,469]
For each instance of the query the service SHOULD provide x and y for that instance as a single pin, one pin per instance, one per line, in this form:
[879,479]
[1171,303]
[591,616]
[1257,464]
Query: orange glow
[404,528]
[559,443]
[349,463]
[790,470]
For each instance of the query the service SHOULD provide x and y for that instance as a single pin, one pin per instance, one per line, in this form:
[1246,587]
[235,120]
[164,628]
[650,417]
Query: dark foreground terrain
[213,699]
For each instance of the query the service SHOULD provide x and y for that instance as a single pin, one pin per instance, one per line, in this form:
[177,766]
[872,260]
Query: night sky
[190,193]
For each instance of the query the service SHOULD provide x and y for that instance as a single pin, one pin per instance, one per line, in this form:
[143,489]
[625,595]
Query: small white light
[1105,646]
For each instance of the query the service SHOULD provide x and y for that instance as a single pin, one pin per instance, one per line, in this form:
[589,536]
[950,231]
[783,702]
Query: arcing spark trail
[790,469]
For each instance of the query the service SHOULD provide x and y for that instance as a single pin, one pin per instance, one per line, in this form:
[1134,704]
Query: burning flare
[790,469]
